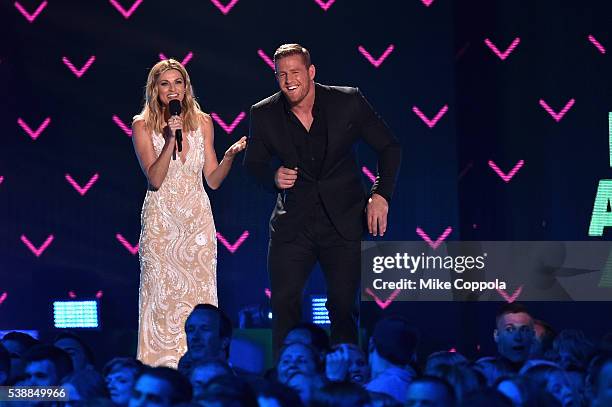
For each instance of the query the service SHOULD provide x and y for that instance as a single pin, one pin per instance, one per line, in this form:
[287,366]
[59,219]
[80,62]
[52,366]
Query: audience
[392,349]
[120,376]
[534,367]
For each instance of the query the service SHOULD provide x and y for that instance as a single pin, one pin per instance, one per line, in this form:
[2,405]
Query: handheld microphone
[175,110]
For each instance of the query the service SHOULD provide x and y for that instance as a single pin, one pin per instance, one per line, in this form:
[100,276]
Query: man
[160,387]
[80,353]
[46,365]
[319,215]
[16,343]
[514,334]
[209,333]
[392,349]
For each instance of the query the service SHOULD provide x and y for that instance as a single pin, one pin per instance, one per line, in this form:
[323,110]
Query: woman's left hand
[236,148]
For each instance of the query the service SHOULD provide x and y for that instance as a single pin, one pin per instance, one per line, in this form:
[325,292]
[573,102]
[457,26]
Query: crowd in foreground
[534,366]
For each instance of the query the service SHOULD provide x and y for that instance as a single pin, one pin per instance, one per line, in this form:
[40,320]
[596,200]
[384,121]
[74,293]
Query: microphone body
[175,110]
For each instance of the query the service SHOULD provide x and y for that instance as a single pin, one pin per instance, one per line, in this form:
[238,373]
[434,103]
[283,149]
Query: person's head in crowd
[305,385]
[227,391]
[310,334]
[161,387]
[349,361]
[572,349]
[461,377]
[80,353]
[487,398]
[297,357]
[120,376]
[271,393]
[340,394]
[16,343]
[204,372]
[491,368]
[393,343]
[514,333]
[555,381]
[542,343]
[443,358]
[431,392]
[523,392]
[45,365]
[378,399]
[84,385]
[5,366]
[209,333]
[599,381]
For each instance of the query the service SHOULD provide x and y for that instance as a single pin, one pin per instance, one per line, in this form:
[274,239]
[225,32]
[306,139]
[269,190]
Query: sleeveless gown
[178,255]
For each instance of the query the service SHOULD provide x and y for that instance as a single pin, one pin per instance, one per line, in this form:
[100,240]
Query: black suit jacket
[349,117]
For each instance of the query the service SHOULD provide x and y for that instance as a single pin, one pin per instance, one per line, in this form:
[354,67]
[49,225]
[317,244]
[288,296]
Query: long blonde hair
[152,112]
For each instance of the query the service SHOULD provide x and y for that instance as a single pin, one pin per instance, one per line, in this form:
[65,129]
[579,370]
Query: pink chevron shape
[185,60]
[40,250]
[325,5]
[439,240]
[99,294]
[266,58]
[84,68]
[224,9]
[125,13]
[28,16]
[427,2]
[1,179]
[228,129]
[72,294]
[82,190]
[597,44]
[122,125]
[268,293]
[233,247]
[557,116]
[3,297]
[383,304]
[34,134]
[368,173]
[381,59]
[510,298]
[506,177]
[126,244]
[507,52]
[430,123]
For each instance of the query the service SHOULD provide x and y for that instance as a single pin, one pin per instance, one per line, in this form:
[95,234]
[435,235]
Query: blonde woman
[178,246]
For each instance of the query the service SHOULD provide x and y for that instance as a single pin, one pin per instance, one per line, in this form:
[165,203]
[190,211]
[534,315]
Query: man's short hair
[23,339]
[89,355]
[395,340]
[510,308]
[119,363]
[182,392]
[60,359]
[286,50]
[225,324]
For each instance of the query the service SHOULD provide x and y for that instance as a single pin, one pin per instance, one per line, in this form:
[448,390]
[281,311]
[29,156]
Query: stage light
[318,310]
[76,314]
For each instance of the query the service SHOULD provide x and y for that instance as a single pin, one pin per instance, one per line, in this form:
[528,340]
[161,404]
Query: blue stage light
[76,314]
[318,310]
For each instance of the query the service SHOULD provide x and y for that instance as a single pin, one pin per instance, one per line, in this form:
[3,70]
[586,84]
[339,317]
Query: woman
[178,246]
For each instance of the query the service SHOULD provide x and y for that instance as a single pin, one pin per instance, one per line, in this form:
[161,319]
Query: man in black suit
[311,130]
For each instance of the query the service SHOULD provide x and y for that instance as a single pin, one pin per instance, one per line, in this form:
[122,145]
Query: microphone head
[175,107]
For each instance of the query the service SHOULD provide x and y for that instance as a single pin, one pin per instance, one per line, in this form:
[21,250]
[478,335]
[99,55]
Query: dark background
[440,58]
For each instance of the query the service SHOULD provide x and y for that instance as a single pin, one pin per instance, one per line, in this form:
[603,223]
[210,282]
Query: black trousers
[290,265]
